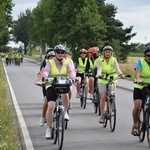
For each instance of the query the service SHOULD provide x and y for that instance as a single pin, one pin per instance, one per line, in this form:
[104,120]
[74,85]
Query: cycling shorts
[51,95]
[137,94]
[80,75]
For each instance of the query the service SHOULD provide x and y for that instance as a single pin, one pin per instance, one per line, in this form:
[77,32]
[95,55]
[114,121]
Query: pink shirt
[70,70]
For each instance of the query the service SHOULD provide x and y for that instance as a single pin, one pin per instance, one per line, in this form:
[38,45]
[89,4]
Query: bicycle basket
[61,85]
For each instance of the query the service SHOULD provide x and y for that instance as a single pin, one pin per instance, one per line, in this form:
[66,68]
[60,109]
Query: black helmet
[49,50]
[107,48]
[147,49]
[60,47]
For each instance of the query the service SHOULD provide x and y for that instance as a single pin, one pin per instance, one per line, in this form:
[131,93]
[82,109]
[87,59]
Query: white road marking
[26,136]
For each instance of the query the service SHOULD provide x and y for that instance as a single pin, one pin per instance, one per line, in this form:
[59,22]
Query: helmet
[83,50]
[107,48]
[92,50]
[51,53]
[60,47]
[147,49]
[67,50]
[48,50]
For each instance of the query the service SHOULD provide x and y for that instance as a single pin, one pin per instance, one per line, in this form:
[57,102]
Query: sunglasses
[82,53]
[60,52]
[148,55]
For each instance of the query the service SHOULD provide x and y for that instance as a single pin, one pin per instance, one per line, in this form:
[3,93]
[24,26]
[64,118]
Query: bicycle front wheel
[112,109]
[141,126]
[60,130]
[84,97]
[148,127]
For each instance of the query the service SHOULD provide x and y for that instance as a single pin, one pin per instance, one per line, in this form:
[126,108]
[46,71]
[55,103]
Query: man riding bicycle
[142,74]
[56,67]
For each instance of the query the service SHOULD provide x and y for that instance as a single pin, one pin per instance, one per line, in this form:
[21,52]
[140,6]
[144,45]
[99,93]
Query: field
[128,67]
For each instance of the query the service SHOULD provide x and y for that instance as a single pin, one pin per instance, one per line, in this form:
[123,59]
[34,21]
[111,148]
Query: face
[60,54]
[107,53]
[147,56]
[83,54]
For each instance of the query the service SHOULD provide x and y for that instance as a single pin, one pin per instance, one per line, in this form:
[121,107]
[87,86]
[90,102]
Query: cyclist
[91,68]
[66,56]
[49,55]
[55,67]
[142,74]
[81,65]
[107,65]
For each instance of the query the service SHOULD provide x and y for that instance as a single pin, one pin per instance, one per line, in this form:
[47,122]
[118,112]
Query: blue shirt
[138,65]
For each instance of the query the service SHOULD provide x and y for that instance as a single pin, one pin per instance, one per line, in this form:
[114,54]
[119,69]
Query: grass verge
[8,130]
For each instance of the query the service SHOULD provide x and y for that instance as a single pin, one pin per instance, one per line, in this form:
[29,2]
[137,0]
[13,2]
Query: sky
[130,12]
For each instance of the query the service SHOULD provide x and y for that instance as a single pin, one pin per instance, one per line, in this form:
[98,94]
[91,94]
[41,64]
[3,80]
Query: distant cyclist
[56,67]
[142,74]
[107,65]
[81,66]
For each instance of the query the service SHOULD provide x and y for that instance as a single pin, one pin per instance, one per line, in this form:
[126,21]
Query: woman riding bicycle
[91,68]
[56,67]
[107,65]
[142,74]
[80,66]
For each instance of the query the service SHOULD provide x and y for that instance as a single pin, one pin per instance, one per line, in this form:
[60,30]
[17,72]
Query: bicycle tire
[148,127]
[106,116]
[96,99]
[141,126]
[54,131]
[60,129]
[112,117]
[84,97]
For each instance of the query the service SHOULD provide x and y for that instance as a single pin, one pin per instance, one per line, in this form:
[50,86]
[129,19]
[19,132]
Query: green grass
[136,55]
[8,129]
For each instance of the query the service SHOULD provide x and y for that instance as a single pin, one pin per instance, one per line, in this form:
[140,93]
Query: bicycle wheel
[148,127]
[112,111]
[84,97]
[81,96]
[141,126]
[96,99]
[106,114]
[54,131]
[60,130]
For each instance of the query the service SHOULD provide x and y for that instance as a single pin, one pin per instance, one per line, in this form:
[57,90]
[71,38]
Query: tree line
[78,24]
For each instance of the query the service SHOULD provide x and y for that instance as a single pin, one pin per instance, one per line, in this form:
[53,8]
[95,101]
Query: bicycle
[144,119]
[96,97]
[110,112]
[83,92]
[61,86]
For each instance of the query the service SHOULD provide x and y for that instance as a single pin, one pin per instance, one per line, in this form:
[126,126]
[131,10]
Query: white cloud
[134,13]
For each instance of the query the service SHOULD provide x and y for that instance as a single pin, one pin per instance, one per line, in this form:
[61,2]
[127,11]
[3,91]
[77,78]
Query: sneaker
[66,116]
[101,119]
[48,134]
[78,95]
[91,96]
[42,121]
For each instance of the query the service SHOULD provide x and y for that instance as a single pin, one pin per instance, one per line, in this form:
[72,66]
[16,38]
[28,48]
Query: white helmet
[52,53]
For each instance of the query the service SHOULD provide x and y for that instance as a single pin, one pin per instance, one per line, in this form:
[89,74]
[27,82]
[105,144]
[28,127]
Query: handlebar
[143,84]
[112,78]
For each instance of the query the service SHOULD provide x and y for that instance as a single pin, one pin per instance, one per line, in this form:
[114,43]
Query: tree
[5,20]
[22,29]
[115,30]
